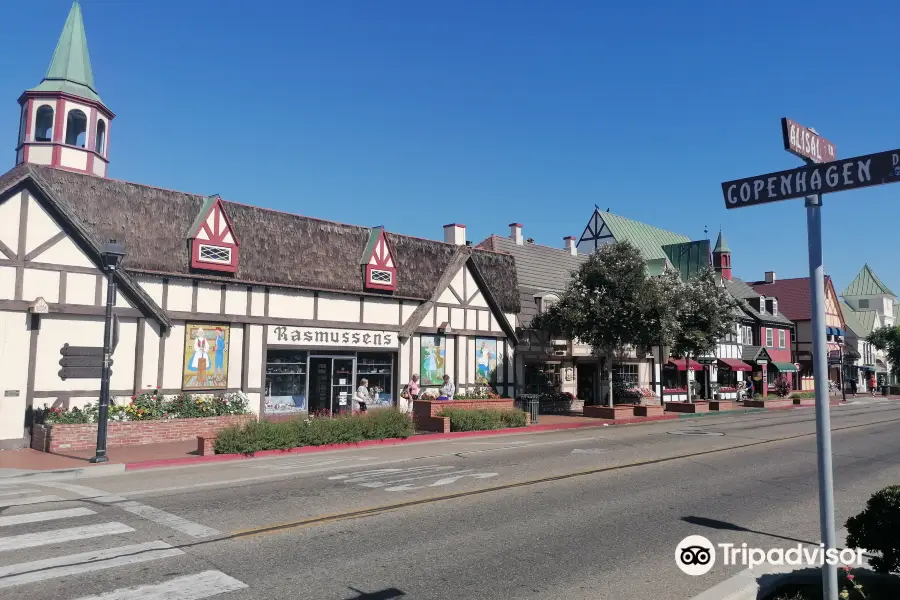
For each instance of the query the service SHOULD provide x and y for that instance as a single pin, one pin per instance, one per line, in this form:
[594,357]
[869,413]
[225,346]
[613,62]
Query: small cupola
[378,265]
[214,244]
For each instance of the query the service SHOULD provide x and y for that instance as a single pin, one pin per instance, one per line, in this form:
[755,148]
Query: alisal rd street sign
[823,178]
[806,143]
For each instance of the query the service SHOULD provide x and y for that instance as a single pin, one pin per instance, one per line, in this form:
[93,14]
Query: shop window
[285,382]
[76,128]
[627,373]
[769,340]
[781,338]
[378,369]
[541,378]
[43,129]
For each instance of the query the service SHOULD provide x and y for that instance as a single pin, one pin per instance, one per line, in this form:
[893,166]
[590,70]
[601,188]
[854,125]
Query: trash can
[885,389]
[531,404]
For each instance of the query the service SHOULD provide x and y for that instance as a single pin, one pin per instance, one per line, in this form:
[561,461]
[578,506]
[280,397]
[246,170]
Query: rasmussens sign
[333,338]
[822,178]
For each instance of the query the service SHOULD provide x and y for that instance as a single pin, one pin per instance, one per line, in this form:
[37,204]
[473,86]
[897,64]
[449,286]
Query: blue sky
[413,114]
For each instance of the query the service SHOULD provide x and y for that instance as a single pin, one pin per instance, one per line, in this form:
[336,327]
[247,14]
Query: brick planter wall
[649,410]
[425,411]
[56,438]
[687,407]
[768,403]
[721,405]
[618,411]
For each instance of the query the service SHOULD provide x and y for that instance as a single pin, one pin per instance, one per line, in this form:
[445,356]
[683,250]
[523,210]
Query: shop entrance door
[331,383]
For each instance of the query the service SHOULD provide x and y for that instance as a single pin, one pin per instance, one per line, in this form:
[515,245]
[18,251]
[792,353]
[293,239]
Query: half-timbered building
[217,296]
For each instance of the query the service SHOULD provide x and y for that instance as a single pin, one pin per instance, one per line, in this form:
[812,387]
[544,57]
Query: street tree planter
[779,403]
[649,410]
[74,437]
[801,401]
[721,405]
[615,412]
[426,413]
[687,407]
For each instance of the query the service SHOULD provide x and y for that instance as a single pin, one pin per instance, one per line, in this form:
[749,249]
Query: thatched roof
[277,248]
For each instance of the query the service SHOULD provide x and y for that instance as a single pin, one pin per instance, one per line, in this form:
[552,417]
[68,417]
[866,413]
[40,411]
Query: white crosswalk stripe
[46,515]
[198,586]
[59,536]
[190,587]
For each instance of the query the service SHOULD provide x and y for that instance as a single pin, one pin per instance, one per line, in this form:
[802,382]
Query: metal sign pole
[820,372]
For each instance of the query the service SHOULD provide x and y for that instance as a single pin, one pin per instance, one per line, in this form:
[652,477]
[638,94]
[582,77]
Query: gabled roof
[648,239]
[277,248]
[754,353]
[203,214]
[70,68]
[792,294]
[860,322]
[867,284]
[688,258]
[539,267]
[743,293]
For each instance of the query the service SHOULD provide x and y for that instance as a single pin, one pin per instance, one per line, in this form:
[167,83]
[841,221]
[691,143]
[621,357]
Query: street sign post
[823,174]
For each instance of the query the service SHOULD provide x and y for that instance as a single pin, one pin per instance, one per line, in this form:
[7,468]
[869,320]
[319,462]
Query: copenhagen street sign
[805,143]
[823,178]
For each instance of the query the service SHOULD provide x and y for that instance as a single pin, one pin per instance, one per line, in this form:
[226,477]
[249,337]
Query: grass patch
[377,424]
[803,395]
[483,419]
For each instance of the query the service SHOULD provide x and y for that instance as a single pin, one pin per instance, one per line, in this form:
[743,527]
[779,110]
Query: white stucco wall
[235,356]
[57,330]
[39,283]
[381,312]
[235,300]
[209,298]
[181,294]
[74,158]
[9,221]
[258,302]
[173,361]
[291,305]
[14,343]
[153,286]
[40,155]
[150,367]
[40,226]
[7,283]
[333,307]
[458,318]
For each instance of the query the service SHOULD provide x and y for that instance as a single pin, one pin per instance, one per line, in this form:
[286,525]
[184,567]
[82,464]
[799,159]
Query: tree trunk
[687,374]
[609,375]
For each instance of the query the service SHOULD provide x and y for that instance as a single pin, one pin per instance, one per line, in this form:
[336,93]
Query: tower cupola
[722,257]
[64,123]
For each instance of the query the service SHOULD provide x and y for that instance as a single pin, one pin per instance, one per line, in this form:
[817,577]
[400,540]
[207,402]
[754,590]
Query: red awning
[679,364]
[735,364]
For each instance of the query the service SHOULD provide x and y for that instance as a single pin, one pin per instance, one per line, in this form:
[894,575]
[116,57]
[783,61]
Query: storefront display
[378,368]
[285,382]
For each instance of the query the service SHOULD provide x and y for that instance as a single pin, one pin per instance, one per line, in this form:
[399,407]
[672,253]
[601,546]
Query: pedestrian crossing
[55,539]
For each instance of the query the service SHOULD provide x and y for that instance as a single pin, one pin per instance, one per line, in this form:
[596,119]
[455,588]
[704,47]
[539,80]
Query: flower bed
[483,419]
[380,424]
[149,406]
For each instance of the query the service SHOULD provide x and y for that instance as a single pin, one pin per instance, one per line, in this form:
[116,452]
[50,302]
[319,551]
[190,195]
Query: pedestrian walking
[872,384]
[750,389]
[448,389]
[362,396]
[853,387]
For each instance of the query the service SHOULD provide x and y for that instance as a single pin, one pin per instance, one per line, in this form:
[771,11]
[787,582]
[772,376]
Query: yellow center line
[376,510]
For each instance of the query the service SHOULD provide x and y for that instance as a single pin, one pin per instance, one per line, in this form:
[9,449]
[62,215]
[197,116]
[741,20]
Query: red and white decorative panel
[214,246]
[381,270]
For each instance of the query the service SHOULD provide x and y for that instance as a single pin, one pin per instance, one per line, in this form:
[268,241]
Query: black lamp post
[112,255]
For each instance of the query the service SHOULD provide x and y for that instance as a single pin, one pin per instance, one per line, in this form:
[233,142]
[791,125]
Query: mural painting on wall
[485,360]
[205,357]
[433,355]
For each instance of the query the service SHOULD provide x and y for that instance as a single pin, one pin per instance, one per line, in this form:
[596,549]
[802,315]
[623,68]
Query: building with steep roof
[874,305]
[214,296]
[861,364]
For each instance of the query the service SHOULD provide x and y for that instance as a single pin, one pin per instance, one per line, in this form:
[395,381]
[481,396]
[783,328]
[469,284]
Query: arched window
[100,138]
[43,126]
[76,128]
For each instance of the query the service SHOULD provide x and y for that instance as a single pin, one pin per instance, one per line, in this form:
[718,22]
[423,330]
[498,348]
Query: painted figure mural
[433,355]
[485,360]
[205,357]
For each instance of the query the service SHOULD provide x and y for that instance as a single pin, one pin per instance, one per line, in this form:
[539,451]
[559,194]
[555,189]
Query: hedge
[377,424]
[481,419]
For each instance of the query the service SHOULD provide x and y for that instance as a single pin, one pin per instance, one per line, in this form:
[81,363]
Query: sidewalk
[16,463]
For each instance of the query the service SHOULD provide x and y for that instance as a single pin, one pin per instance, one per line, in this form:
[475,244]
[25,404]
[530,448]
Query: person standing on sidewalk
[872,384]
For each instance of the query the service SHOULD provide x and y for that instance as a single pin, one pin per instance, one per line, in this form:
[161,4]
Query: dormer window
[775,306]
[379,266]
[214,245]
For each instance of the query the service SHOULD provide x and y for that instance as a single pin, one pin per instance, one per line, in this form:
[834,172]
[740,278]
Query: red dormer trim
[214,243]
[381,268]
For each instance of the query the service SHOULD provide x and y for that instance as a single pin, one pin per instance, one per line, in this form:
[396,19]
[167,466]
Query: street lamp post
[112,255]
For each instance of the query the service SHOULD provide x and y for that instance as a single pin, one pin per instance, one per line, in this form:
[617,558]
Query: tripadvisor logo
[695,555]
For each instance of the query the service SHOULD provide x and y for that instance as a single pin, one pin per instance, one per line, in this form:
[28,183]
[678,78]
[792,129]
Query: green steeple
[721,244]
[70,68]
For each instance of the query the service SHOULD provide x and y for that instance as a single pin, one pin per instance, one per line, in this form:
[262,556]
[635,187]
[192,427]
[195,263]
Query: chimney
[454,233]
[515,233]
[770,276]
[569,242]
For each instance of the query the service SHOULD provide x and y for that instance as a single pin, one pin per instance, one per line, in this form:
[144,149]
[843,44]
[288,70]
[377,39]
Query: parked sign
[825,178]
[803,142]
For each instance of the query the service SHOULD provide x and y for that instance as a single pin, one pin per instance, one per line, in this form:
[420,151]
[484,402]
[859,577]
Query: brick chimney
[770,276]
[569,242]
[454,233]
[515,233]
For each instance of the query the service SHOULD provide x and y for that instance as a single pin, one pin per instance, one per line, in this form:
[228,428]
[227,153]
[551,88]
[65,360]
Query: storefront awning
[785,367]
[733,364]
[679,364]
[835,331]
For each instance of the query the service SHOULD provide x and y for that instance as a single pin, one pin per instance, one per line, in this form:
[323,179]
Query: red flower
[134,397]
[850,577]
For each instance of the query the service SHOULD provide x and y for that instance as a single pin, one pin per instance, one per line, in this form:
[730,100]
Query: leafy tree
[661,307]
[888,340]
[604,305]
[706,314]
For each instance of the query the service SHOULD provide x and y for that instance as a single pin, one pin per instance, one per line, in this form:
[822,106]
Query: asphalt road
[592,513]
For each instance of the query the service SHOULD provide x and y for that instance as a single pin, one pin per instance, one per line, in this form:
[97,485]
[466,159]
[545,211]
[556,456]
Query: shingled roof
[792,294]
[744,294]
[538,267]
[277,248]
[647,238]
[866,283]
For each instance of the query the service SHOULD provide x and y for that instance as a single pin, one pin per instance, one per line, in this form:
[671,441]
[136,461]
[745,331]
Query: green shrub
[465,419]
[376,424]
[782,387]
[877,529]
[799,395]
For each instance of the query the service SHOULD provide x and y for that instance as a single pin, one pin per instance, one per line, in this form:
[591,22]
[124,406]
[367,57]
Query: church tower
[64,123]
[722,258]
